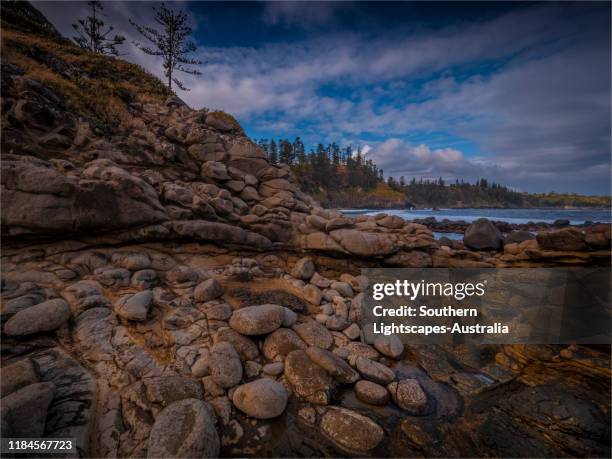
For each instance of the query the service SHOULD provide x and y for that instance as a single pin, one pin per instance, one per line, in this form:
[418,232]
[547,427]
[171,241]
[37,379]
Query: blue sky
[515,92]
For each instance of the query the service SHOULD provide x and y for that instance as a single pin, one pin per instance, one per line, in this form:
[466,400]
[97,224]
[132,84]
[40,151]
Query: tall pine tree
[171,43]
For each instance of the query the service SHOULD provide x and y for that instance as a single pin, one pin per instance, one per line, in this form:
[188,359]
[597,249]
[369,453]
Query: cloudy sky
[515,92]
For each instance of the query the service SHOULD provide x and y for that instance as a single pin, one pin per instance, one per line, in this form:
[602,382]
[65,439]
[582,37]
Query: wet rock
[334,365]
[281,342]
[208,290]
[43,317]
[135,307]
[314,334]
[390,346]
[372,393]
[482,235]
[257,320]
[374,371]
[409,396]
[309,380]
[17,375]
[184,429]
[225,365]
[24,412]
[351,432]
[303,269]
[261,399]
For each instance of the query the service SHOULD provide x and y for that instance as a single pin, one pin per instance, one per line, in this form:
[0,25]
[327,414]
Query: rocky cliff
[166,292]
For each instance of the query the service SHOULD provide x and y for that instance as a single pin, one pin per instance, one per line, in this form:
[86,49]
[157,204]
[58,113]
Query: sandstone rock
[391,222]
[309,380]
[184,429]
[567,239]
[374,371]
[334,365]
[135,307]
[316,222]
[281,342]
[43,317]
[245,347]
[215,170]
[482,235]
[257,320]
[372,393]
[261,399]
[365,244]
[208,290]
[312,294]
[350,431]
[303,269]
[274,369]
[17,375]
[314,334]
[390,346]
[225,365]
[337,223]
[24,412]
[409,396]
[357,283]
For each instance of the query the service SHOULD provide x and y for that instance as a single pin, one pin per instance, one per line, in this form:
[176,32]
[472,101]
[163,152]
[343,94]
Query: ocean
[575,216]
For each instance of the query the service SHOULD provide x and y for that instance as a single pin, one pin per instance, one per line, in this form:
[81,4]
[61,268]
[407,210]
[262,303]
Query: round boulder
[482,235]
[43,317]
[350,431]
[372,393]
[225,365]
[261,399]
[409,396]
[257,320]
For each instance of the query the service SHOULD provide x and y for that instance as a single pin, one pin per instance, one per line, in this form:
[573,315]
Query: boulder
[374,371]
[518,237]
[314,334]
[303,269]
[43,317]
[391,222]
[215,170]
[245,347]
[24,412]
[372,393]
[334,365]
[390,346]
[184,429]
[135,307]
[364,243]
[257,320]
[567,239]
[312,294]
[482,235]
[208,290]
[409,396]
[351,432]
[309,380]
[225,365]
[261,399]
[281,342]
[164,390]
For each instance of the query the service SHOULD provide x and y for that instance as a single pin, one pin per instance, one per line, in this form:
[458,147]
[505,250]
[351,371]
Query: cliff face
[166,291]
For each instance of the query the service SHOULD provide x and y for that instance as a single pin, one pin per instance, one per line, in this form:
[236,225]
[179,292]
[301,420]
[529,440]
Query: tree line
[324,166]
[170,41]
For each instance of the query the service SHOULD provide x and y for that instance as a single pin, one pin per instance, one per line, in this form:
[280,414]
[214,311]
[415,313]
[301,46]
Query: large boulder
[371,393]
[43,317]
[483,235]
[366,244]
[208,290]
[184,429]
[261,399]
[351,432]
[374,371]
[17,375]
[408,395]
[303,269]
[135,307]
[314,334]
[281,342]
[257,320]
[567,239]
[334,365]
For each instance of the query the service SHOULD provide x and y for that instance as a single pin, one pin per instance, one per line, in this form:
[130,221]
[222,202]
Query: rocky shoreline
[166,292]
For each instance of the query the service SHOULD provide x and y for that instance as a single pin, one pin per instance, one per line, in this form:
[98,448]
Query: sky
[517,92]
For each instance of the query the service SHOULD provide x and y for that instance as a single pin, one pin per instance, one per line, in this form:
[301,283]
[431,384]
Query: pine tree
[171,44]
[273,156]
[92,35]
